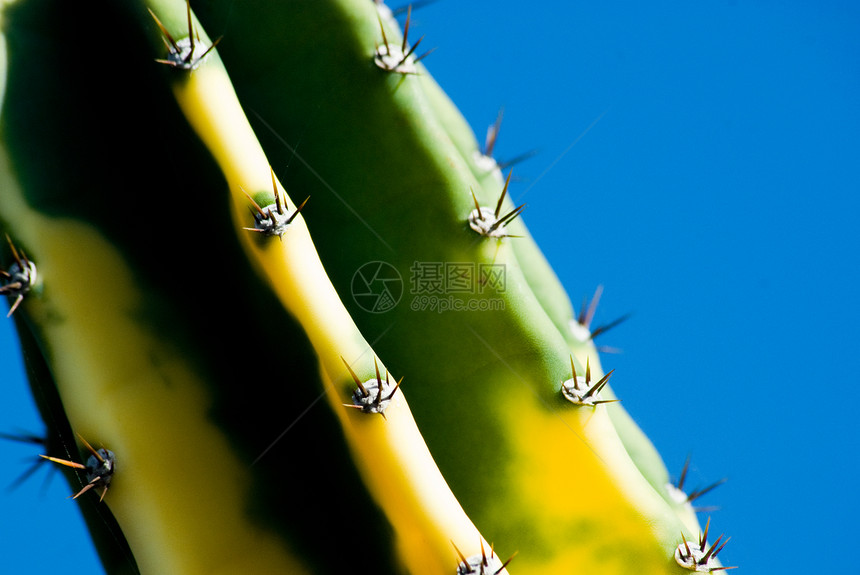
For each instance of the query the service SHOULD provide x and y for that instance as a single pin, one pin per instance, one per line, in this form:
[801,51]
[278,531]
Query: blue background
[700,160]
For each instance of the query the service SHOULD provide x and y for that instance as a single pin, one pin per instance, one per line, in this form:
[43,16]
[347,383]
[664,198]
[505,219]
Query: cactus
[473,442]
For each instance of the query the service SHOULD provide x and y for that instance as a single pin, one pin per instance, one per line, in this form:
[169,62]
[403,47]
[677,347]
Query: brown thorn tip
[686,545]
[477,205]
[506,563]
[14,252]
[424,55]
[721,546]
[493,134]
[409,52]
[606,327]
[278,203]
[396,387]
[90,448]
[704,540]
[700,492]
[406,27]
[354,377]
[710,552]
[600,384]
[298,209]
[683,477]
[592,306]
[15,305]
[378,378]
[503,194]
[164,33]
[256,205]
[459,553]
[384,38]
[63,462]
[606,401]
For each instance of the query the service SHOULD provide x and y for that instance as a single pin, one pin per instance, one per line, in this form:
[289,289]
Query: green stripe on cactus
[403,197]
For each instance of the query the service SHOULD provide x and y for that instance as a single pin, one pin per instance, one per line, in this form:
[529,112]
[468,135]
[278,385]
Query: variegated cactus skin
[191,313]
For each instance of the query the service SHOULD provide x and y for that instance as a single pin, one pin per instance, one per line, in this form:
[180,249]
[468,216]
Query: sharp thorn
[720,548]
[165,34]
[384,38]
[406,27]
[683,477]
[64,462]
[704,540]
[298,210]
[190,27]
[460,554]
[15,305]
[90,449]
[493,134]
[606,327]
[424,55]
[409,52]
[710,551]
[700,492]
[516,159]
[396,387]
[506,563]
[355,378]
[686,545]
[503,194]
[592,307]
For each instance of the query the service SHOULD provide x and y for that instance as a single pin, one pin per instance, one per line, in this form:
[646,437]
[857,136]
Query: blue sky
[701,161]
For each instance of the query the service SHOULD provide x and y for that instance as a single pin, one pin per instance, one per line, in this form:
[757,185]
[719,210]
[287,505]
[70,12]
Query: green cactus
[118,248]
